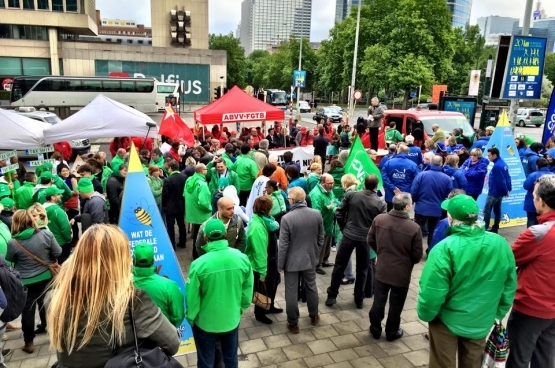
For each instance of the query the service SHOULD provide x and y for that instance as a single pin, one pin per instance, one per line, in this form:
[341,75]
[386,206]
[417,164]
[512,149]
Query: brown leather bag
[260,299]
[54,267]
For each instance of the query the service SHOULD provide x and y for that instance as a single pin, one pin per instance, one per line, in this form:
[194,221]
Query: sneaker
[6,352]
[330,301]
[320,271]
[314,321]
[334,248]
[294,329]
[40,330]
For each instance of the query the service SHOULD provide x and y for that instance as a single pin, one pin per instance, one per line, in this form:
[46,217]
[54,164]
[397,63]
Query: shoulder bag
[260,299]
[54,267]
[141,358]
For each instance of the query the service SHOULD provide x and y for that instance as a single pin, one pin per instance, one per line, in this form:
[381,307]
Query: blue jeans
[532,219]
[495,204]
[206,347]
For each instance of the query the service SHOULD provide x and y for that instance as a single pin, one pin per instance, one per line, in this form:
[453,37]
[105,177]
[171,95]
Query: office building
[343,8]
[460,9]
[68,37]
[496,25]
[542,28]
[268,22]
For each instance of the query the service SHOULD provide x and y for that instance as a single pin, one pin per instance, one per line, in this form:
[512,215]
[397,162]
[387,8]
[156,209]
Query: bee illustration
[140,215]
[511,150]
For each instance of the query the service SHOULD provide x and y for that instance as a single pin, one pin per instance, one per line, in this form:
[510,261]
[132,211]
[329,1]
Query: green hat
[85,186]
[223,182]
[47,175]
[4,190]
[52,190]
[143,255]
[462,208]
[214,229]
[7,203]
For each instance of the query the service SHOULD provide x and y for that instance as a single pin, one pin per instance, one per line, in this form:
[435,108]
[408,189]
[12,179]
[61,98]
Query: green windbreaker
[198,201]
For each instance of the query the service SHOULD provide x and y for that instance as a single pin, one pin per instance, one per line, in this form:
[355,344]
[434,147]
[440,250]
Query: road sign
[524,71]
[357,94]
[7,169]
[37,151]
[39,162]
[537,14]
[412,94]
[6,155]
[299,78]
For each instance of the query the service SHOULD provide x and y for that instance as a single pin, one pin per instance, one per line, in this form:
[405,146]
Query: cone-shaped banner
[140,220]
[512,211]
[549,126]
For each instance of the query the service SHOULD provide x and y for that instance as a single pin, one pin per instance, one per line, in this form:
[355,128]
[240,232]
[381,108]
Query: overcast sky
[225,15]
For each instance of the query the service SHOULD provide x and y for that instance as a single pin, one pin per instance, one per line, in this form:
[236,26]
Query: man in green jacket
[221,277]
[164,292]
[198,202]
[58,222]
[247,171]
[24,195]
[45,180]
[118,159]
[324,201]
[217,169]
[56,180]
[468,282]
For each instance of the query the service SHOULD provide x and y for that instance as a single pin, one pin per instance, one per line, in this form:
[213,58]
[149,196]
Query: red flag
[174,127]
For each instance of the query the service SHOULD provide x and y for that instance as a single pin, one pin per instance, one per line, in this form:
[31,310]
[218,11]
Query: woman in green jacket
[155,183]
[261,249]
[278,202]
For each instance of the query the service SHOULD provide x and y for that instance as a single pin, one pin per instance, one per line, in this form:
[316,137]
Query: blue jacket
[398,172]
[454,149]
[415,155]
[299,182]
[475,175]
[499,179]
[456,175]
[439,233]
[385,159]
[521,152]
[429,189]
[481,143]
[529,184]
[529,161]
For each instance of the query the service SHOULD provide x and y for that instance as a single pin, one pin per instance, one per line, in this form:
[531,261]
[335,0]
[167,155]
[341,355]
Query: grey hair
[546,190]
[402,148]
[343,155]
[297,194]
[428,156]
[401,201]
[409,139]
[263,144]
[436,161]
[273,158]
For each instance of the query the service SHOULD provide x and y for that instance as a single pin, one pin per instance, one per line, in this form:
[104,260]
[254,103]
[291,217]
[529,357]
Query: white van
[304,106]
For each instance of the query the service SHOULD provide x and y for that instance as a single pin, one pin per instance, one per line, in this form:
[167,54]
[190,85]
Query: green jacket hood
[25,234]
[270,222]
[192,182]
[216,245]
[143,271]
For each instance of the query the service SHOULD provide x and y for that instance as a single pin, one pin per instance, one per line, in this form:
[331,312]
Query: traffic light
[217,92]
[225,91]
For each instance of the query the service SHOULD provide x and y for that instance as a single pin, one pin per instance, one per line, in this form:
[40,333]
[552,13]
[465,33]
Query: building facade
[268,22]
[121,27]
[542,28]
[343,8]
[460,9]
[496,25]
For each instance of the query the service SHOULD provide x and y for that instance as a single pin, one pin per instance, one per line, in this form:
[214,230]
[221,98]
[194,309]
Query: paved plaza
[340,341]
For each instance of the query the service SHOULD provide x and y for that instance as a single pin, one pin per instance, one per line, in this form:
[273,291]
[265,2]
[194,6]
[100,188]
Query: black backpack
[14,290]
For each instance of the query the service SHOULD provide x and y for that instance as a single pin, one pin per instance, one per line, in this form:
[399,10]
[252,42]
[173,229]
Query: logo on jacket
[399,174]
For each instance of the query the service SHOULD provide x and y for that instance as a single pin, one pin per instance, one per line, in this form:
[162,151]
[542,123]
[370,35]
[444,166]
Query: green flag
[361,165]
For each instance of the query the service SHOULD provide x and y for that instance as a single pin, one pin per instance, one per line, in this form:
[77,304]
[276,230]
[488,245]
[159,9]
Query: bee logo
[511,150]
[140,215]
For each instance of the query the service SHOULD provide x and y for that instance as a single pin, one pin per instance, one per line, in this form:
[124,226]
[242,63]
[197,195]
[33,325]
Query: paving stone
[299,363]
[39,362]
[414,328]
[276,341]
[339,365]
[370,350]
[319,360]
[246,361]
[246,322]
[418,358]
[279,328]
[302,336]
[252,346]
[272,356]
[347,315]
[182,359]
[243,335]
[258,331]
[396,361]
[363,322]
[347,327]
[19,354]
[321,332]
[192,359]
[343,355]
[328,319]
[297,351]
[345,341]
[365,337]
[394,347]
[366,362]
[322,346]
[416,342]
[410,315]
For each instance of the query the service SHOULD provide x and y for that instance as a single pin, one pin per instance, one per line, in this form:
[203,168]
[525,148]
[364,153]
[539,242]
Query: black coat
[114,187]
[172,194]
[6,217]
[320,144]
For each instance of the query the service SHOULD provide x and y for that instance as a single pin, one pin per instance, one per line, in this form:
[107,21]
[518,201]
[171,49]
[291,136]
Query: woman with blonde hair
[28,238]
[38,213]
[451,168]
[88,307]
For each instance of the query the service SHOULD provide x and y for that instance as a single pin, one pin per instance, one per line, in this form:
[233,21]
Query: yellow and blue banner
[512,211]
[549,126]
[141,221]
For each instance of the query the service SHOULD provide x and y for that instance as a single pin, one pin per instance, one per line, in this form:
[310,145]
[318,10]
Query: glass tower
[461,12]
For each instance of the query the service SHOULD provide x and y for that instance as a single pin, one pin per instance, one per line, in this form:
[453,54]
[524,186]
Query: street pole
[354,71]
[300,64]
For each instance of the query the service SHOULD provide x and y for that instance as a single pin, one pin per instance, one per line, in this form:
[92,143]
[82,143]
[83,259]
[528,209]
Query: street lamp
[354,71]
[300,61]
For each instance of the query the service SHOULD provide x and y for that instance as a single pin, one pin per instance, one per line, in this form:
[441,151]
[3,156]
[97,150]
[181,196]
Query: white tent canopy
[101,118]
[20,132]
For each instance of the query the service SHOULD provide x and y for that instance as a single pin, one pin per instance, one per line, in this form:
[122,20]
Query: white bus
[163,90]
[58,91]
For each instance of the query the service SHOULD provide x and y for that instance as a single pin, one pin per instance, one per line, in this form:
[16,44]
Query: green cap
[143,255]
[223,182]
[7,203]
[47,175]
[462,208]
[214,229]
[85,186]
[52,190]
[4,190]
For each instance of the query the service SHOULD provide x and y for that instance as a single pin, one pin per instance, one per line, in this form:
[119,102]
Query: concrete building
[42,37]
[496,25]
[121,27]
[268,22]
[343,8]
[461,12]
[542,28]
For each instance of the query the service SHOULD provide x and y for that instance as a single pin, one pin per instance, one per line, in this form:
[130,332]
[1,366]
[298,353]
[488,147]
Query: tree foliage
[236,61]
[549,68]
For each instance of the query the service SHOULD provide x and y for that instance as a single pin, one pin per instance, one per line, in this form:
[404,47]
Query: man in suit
[173,204]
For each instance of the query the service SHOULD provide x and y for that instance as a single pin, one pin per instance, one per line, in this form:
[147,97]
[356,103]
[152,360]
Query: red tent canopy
[237,106]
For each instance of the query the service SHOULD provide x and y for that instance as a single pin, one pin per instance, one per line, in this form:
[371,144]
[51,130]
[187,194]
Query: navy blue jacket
[481,143]
[398,172]
[529,161]
[529,184]
[456,175]
[499,179]
[475,175]
[429,189]
[415,155]
[385,159]
[439,233]
[454,149]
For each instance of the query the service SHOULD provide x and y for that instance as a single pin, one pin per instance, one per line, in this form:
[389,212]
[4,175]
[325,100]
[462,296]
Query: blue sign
[299,78]
[140,220]
[537,14]
[412,94]
[512,208]
[549,126]
[524,72]
[467,108]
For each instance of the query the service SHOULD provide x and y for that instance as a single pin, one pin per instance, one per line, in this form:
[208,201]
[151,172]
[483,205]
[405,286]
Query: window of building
[2,4]
[10,66]
[36,66]
[29,4]
[71,5]
[58,5]
[13,4]
[141,42]
[42,5]
[129,41]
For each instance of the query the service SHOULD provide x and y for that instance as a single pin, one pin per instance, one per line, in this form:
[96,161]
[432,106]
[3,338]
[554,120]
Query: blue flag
[549,126]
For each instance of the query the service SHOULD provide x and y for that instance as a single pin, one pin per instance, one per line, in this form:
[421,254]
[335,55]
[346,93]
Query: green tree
[236,61]
[255,68]
[549,68]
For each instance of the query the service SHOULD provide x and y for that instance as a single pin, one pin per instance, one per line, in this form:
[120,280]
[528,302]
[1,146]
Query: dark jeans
[206,347]
[35,297]
[71,213]
[342,258]
[431,221]
[374,134]
[532,219]
[66,252]
[195,229]
[171,219]
[113,214]
[396,303]
[244,197]
[495,204]
[532,341]
[389,206]
[370,279]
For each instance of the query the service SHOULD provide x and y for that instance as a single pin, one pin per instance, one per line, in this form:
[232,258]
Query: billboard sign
[299,78]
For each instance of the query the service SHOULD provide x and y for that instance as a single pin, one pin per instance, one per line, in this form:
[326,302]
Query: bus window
[127,86]
[74,85]
[42,86]
[57,85]
[146,86]
[111,86]
[165,89]
[92,86]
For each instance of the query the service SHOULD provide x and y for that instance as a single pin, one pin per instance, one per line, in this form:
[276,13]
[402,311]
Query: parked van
[529,117]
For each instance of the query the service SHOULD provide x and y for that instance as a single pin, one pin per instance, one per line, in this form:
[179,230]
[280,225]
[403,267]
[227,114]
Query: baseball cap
[52,190]
[143,255]
[7,202]
[462,207]
[47,175]
[85,186]
[214,229]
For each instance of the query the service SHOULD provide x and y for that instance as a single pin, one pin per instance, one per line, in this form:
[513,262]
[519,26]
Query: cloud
[506,8]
